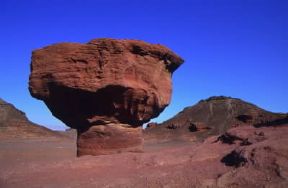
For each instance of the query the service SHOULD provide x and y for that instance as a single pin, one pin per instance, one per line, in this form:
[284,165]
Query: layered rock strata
[106,89]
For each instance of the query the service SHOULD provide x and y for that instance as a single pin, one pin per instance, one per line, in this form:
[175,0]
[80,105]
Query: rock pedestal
[106,89]
[109,139]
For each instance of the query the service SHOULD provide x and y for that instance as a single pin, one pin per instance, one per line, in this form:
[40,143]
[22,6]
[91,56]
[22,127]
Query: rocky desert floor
[243,157]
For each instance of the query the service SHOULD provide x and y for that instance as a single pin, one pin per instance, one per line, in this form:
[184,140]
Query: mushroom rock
[106,89]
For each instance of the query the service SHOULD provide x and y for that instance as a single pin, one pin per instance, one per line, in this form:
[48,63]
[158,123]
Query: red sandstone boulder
[106,89]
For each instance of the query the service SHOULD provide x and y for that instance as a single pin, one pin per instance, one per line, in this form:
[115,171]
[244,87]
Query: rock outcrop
[15,125]
[106,89]
[257,158]
[213,116]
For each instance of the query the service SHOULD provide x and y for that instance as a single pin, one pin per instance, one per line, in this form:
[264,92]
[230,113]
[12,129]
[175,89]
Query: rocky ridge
[15,125]
[213,116]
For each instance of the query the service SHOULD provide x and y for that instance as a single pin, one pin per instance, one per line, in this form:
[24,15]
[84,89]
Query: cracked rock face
[106,89]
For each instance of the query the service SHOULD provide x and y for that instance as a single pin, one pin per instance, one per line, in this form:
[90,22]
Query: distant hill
[15,124]
[213,116]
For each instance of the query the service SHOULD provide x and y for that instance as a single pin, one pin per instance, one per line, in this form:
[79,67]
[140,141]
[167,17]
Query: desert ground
[244,157]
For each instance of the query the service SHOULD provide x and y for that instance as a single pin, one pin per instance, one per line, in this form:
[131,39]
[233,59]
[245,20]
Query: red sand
[41,163]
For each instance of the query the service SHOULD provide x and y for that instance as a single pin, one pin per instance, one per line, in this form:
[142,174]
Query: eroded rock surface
[213,116]
[15,125]
[115,84]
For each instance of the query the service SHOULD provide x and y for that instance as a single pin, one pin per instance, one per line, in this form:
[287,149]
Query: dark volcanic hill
[15,124]
[213,116]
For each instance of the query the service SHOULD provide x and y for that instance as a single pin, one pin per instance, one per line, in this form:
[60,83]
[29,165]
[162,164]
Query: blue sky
[237,48]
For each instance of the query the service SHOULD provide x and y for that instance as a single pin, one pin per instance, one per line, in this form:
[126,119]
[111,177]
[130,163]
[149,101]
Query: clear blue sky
[237,48]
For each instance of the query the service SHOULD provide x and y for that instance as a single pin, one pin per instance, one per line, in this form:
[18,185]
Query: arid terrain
[212,116]
[246,157]
[144,94]
[243,156]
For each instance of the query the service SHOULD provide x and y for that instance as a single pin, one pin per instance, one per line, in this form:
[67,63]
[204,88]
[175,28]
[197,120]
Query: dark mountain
[15,124]
[213,116]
